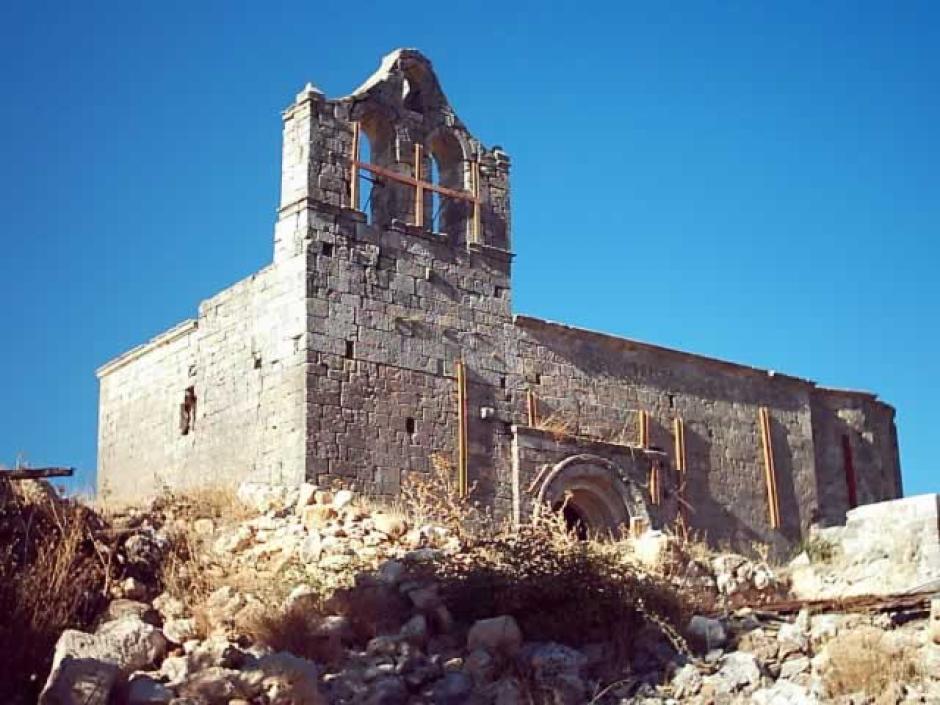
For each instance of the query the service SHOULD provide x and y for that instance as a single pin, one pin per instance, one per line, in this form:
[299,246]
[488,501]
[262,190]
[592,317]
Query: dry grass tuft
[299,629]
[557,587]
[187,571]
[53,576]
[557,425]
[863,660]
[434,498]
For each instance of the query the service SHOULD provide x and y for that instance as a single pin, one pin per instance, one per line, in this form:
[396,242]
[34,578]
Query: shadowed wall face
[598,383]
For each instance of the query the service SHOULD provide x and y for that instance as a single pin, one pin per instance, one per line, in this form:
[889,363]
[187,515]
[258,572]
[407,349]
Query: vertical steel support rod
[851,483]
[679,427]
[354,169]
[679,433]
[770,471]
[419,189]
[475,179]
[532,406]
[463,484]
[643,421]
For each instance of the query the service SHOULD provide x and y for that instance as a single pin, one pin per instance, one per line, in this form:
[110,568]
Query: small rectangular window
[327,249]
[188,411]
[410,426]
[350,350]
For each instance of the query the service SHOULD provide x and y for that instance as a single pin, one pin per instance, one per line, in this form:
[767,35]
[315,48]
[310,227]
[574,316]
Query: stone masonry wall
[597,383]
[391,311]
[867,425]
[243,356]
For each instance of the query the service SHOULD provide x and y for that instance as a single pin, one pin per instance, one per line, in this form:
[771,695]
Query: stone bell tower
[398,138]
[403,219]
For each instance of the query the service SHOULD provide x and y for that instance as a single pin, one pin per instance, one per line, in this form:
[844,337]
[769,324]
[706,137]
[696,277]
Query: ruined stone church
[381,339]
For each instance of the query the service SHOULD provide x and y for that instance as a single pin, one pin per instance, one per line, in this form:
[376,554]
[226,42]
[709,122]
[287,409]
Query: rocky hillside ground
[307,596]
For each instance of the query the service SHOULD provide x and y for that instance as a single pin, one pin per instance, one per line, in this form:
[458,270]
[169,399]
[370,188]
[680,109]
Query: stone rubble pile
[884,548]
[730,578]
[753,658]
[152,648]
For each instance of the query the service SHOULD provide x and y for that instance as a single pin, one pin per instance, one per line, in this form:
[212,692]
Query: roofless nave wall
[382,334]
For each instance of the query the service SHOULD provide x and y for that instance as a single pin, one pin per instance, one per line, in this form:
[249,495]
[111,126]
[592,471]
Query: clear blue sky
[752,182]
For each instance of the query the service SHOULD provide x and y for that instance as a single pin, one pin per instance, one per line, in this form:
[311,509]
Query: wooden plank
[655,487]
[35,473]
[532,407]
[856,603]
[679,432]
[643,421]
[411,181]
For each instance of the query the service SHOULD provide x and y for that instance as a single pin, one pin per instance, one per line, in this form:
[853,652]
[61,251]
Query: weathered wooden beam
[35,473]
[412,181]
[532,407]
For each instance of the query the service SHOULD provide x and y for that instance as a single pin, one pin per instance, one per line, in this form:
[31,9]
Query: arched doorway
[592,495]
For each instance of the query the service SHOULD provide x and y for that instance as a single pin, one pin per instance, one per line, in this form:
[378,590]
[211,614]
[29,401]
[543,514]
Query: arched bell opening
[448,164]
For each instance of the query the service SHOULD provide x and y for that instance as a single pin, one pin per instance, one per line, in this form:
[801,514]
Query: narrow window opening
[502,382]
[848,463]
[327,249]
[538,377]
[411,96]
[447,168]
[672,401]
[257,363]
[410,426]
[366,181]
[188,411]
[437,202]
[350,350]
[500,291]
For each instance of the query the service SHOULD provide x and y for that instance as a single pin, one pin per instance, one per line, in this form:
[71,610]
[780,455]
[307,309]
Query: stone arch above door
[595,491]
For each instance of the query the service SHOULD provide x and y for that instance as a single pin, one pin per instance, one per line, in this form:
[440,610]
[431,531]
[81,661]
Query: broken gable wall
[243,357]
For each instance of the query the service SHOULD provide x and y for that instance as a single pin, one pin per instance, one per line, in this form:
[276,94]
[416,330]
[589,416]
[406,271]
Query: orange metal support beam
[354,169]
[643,422]
[532,406]
[463,485]
[419,189]
[770,470]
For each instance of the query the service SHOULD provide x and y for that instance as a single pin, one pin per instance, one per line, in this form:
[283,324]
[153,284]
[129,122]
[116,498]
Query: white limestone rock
[784,693]
[84,671]
[739,670]
[179,631]
[134,644]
